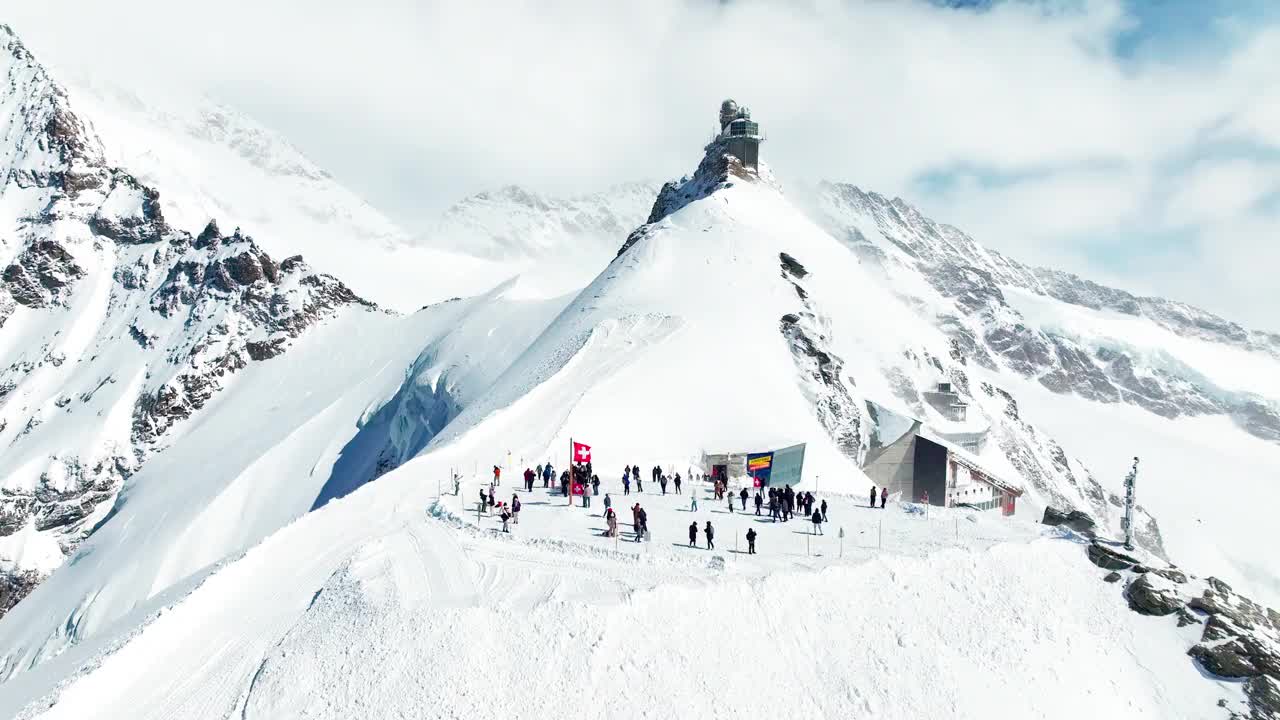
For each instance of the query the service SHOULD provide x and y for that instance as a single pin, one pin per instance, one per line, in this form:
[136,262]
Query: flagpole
[573,474]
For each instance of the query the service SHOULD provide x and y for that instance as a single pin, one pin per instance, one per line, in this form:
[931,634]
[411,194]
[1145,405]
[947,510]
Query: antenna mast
[1130,483]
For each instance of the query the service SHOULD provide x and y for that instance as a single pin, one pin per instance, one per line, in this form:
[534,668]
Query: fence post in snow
[880,535]
[841,541]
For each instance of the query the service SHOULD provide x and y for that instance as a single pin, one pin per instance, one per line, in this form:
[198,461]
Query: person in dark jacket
[759,501]
[595,484]
[506,516]
[626,484]
[484,500]
[823,507]
[676,481]
[817,523]
[773,507]
[744,495]
[873,496]
[751,540]
[710,532]
[662,483]
[548,472]
[528,480]
[693,533]
[884,496]
[644,524]
[515,509]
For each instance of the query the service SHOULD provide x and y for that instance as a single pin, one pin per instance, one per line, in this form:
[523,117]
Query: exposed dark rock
[14,587]
[1152,597]
[790,266]
[265,349]
[1076,520]
[1109,559]
[1111,577]
[1226,659]
[1171,574]
[1263,692]
[42,274]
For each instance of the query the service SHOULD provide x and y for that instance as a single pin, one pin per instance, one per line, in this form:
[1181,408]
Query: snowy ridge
[116,326]
[513,223]
[1004,314]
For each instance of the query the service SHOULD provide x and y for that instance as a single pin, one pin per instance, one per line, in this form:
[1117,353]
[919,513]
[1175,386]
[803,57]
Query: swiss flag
[581,453]
[578,489]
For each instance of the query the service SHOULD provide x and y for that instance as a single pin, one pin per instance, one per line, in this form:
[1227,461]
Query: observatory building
[739,134]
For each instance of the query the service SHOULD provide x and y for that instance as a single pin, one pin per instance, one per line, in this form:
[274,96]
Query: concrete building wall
[894,467]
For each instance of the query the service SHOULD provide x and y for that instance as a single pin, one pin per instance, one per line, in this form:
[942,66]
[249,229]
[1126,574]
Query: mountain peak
[734,153]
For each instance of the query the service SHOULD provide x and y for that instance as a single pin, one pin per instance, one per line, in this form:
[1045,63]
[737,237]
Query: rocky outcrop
[718,169]
[174,316]
[1240,640]
[1151,594]
[822,374]
[1075,520]
[41,275]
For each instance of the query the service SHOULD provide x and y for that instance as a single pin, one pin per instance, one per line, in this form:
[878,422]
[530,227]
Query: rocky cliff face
[967,289]
[114,326]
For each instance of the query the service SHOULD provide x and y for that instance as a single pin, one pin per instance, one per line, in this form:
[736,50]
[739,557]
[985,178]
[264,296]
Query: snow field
[372,608]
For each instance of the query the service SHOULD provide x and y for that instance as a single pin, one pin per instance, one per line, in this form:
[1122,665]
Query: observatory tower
[740,136]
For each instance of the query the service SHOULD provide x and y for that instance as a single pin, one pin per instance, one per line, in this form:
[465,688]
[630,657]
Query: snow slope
[215,162]
[372,608]
[1107,374]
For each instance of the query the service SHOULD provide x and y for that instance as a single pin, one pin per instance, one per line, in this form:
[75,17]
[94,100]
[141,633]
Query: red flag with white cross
[581,453]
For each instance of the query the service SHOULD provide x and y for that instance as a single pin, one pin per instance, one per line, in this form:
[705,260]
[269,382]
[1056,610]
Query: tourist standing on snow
[586,497]
[626,484]
[759,501]
[484,501]
[884,497]
[497,475]
[636,476]
[693,533]
[817,523]
[693,501]
[493,499]
[676,480]
[608,504]
[751,540]
[548,472]
[744,495]
[773,507]
[595,484]
[711,535]
[662,483]
[644,524]
[528,480]
[505,517]
[611,518]
[873,496]
[515,509]
[824,510]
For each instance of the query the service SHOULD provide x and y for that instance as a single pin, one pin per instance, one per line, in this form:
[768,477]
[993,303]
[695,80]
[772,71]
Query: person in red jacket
[528,480]
[497,472]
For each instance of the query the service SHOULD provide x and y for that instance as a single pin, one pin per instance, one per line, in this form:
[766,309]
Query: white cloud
[417,103]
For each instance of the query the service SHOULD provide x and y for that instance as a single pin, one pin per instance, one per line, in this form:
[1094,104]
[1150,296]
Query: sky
[1136,143]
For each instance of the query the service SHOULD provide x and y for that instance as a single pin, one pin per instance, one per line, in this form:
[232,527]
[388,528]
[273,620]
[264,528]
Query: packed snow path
[388,604]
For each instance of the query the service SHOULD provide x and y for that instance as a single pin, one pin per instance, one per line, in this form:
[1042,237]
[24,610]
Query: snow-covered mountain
[1108,374]
[115,326]
[197,424]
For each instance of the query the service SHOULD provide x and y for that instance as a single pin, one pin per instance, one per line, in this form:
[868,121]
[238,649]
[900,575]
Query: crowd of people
[783,504]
